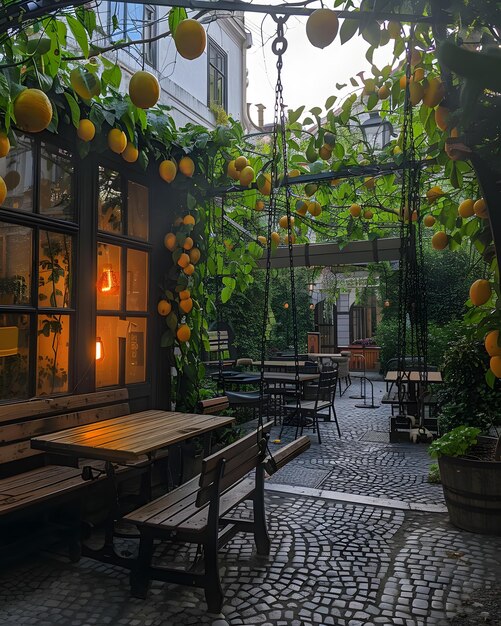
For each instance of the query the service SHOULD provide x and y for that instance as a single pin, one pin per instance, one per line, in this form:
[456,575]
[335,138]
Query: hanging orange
[190,39]
[144,89]
[321,27]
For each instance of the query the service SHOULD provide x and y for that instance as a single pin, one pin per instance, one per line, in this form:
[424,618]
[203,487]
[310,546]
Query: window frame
[150,58]
[37,222]
[212,45]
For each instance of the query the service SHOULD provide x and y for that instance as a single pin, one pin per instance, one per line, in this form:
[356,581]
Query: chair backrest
[240,458]
[213,406]
[219,346]
[22,420]
[327,384]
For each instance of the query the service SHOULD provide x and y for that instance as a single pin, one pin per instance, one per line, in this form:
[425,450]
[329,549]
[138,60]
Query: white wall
[183,82]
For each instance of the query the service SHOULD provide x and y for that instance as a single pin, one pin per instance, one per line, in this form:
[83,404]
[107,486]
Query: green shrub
[465,397]
[456,442]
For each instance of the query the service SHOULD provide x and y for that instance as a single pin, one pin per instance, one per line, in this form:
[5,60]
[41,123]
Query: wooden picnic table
[125,439]
[279,365]
[413,376]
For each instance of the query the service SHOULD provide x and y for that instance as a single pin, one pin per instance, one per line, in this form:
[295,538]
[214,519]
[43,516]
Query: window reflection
[56,177]
[55,269]
[137,280]
[135,361]
[17,171]
[14,356]
[15,264]
[109,214]
[137,205]
[107,367]
[53,354]
[108,277]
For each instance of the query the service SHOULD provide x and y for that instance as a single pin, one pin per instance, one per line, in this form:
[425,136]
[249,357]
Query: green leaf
[167,339]
[348,30]
[191,201]
[74,108]
[295,115]
[490,378]
[329,103]
[112,76]
[226,293]
[79,33]
[316,111]
[372,33]
[176,15]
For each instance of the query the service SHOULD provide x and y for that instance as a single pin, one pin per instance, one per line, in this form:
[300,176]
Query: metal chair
[305,410]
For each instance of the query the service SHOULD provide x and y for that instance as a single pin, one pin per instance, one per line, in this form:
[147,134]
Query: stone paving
[332,562]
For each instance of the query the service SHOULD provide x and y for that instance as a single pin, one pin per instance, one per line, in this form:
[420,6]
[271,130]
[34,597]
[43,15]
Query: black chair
[306,413]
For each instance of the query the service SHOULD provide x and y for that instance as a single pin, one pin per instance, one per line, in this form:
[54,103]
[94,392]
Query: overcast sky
[309,74]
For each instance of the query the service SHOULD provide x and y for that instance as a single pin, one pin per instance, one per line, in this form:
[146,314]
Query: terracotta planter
[472,491]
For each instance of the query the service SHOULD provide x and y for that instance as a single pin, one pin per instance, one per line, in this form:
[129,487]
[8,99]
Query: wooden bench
[213,406]
[30,481]
[199,512]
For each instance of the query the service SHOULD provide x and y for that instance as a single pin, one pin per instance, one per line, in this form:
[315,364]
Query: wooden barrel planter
[472,491]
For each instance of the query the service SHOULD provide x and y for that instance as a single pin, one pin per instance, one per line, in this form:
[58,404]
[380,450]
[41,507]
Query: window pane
[107,366]
[137,280]
[135,361]
[53,354]
[138,214]
[17,171]
[134,21]
[14,356]
[56,177]
[15,264]
[55,269]
[109,214]
[108,277]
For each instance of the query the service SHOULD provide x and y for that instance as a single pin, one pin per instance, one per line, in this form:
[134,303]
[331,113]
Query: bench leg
[212,584]
[261,536]
[139,576]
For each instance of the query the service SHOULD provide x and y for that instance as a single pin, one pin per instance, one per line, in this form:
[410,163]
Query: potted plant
[12,290]
[470,472]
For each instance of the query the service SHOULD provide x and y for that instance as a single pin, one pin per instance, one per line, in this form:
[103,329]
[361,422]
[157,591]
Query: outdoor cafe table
[414,378]
[279,365]
[125,440]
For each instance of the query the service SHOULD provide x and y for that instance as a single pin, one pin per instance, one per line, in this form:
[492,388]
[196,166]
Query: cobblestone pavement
[332,562]
[352,465]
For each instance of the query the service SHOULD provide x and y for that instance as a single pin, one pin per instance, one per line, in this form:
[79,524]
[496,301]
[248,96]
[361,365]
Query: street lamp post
[377,132]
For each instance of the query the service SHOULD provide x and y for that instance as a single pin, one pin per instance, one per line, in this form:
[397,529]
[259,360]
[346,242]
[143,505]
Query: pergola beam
[328,254]
[13,14]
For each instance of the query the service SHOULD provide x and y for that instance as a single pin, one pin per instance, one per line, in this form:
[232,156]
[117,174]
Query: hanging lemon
[144,90]
[190,39]
[86,130]
[4,145]
[32,110]
[131,153]
[321,27]
[167,170]
[117,140]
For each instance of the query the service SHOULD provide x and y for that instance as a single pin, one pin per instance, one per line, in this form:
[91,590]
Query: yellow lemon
[187,166]
[440,240]
[117,140]
[433,194]
[183,260]
[240,163]
[183,333]
[131,153]
[144,89]
[4,145]
[480,292]
[86,84]
[246,176]
[283,221]
[259,206]
[167,170]
[264,184]
[164,307]
[232,171]
[188,243]
[495,365]
[314,208]
[275,238]
[194,255]
[355,210]
[466,208]
[429,221]
[189,219]
[190,39]
[262,240]
[321,27]
[480,209]
[186,305]
[491,343]
[170,241]
[32,110]
[184,294]
[189,269]
[86,130]
[3,191]
[434,92]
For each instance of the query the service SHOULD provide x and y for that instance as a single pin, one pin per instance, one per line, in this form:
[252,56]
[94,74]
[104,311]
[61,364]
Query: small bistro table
[125,440]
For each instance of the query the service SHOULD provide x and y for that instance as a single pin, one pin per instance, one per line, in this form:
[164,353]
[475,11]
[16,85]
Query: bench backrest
[219,344]
[240,458]
[22,420]
[213,406]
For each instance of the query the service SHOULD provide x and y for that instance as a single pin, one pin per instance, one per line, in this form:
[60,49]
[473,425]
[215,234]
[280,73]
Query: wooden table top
[279,377]
[413,376]
[128,437]
[327,355]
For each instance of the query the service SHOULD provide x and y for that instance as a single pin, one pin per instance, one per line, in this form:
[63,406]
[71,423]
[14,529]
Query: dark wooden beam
[327,254]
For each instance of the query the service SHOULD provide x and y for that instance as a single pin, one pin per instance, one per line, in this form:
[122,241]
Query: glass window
[15,264]
[17,171]
[107,351]
[109,213]
[217,75]
[133,21]
[137,210]
[14,356]
[135,349]
[56,179]
[137,280]
[53,354]
[55,270]
[108,277]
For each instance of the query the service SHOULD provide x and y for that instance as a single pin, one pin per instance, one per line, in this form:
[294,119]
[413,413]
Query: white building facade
[194,89]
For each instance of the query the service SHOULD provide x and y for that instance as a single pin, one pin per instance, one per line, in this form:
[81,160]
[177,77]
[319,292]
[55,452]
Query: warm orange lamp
[108,282]
[99,349]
